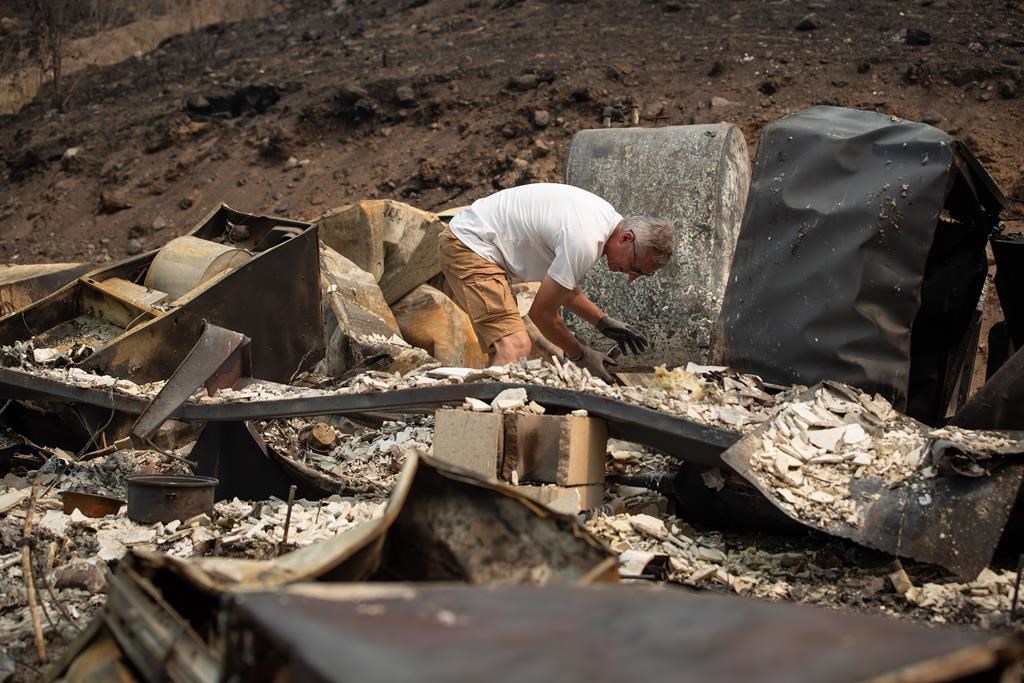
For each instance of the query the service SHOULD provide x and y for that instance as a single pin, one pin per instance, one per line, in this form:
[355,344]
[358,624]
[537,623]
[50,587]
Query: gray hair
[654,235]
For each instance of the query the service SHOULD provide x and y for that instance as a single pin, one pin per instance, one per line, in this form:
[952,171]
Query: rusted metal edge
[211,352]
[675,436]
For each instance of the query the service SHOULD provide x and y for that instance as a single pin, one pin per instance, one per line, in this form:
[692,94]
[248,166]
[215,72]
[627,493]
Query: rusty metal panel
[274,299]
[211,352]
[22,285]
[396,632]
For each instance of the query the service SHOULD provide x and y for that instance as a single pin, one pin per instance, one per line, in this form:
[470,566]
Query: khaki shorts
[481,289]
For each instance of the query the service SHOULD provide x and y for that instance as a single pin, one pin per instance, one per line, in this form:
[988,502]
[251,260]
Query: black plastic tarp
[861,257]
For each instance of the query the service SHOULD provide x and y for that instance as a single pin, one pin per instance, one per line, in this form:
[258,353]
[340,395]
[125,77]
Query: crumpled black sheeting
[837,243]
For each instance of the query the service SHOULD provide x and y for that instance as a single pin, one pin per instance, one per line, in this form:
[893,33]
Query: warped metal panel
[397,632]
[861,257]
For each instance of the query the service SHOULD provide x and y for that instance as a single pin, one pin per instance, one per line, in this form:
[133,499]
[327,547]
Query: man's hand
[625,335]
[594,361]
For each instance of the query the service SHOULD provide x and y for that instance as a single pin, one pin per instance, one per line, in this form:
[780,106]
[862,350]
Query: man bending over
[552,234]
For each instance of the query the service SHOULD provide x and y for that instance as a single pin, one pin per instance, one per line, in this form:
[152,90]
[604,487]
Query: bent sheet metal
[845,463]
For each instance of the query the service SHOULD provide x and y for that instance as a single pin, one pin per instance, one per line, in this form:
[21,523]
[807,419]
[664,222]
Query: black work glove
[628,339]
[594,361]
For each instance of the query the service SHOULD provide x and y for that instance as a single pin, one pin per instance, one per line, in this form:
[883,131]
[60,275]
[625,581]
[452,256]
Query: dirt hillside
[438,102]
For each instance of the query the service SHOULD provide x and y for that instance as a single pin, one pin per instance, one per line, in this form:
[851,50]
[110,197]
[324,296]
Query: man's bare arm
[544,313]
[580,304]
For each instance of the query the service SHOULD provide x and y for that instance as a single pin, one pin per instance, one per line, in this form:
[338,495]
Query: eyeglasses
[632,269]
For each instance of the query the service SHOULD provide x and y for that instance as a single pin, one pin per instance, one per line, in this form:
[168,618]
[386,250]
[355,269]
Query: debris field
[268,432]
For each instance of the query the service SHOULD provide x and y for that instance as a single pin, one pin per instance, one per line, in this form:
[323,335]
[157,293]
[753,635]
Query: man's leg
[481,289]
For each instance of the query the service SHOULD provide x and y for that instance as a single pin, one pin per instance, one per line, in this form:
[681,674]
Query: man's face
[624,257]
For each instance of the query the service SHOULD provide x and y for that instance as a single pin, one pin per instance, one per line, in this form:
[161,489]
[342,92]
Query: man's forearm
[554,330]
[582,306]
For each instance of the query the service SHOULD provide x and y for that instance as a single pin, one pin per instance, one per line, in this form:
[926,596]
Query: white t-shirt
[537,230]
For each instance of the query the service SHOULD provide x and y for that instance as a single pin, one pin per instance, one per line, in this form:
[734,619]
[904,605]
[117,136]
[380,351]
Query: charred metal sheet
[954,520]
[1000,348]
[999,402]
[438,523]
[480,532]
[672,435]
[1008,251]
[736,505]
[157,640]
[22,285]
[246,467]
[861,257]
[273,298]
[394,632]
[217,360]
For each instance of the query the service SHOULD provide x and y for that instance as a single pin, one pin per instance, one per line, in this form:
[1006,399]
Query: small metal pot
[166,497]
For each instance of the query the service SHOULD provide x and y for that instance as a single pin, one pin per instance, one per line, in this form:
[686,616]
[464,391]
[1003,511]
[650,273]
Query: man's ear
[627,236]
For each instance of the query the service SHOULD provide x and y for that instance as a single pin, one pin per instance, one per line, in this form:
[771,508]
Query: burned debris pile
[323,446]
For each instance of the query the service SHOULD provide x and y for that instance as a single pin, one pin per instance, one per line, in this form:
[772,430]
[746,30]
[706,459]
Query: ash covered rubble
[812,451]
[812,448]
[640,525]
[881,513]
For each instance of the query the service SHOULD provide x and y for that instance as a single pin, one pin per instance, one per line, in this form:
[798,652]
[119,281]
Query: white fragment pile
[366,461]
[837,575]
[706,394]
[813,449]
[71,552]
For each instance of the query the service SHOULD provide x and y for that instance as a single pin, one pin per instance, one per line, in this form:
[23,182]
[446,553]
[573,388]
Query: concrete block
[556,449]
[468,440]
[565,499]
[695,176]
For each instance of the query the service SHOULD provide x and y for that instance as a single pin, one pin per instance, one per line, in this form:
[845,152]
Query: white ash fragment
[45,356]
[477,406]
[509,399]
[372,339]
[713,479]
[649,526]
[633,562]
